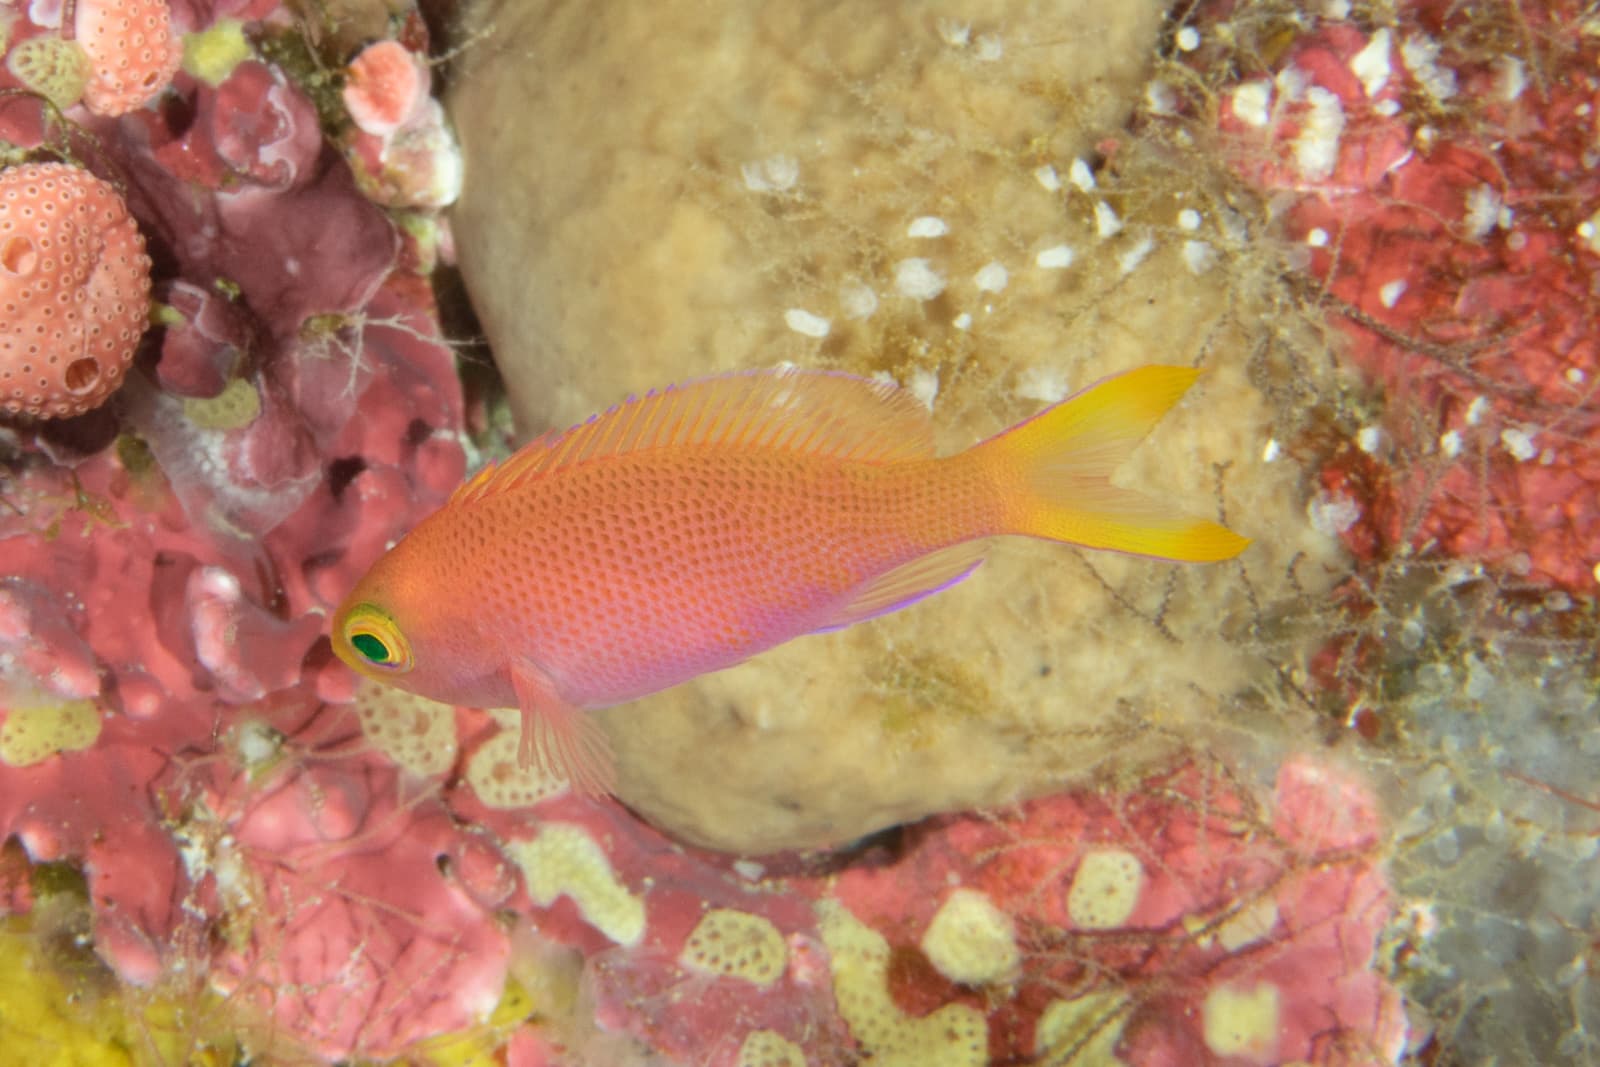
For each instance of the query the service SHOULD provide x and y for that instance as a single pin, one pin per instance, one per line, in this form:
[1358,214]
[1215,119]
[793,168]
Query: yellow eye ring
[377,641]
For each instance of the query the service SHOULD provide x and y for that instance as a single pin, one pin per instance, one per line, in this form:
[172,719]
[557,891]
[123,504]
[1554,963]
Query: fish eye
[377,640]
[371,647]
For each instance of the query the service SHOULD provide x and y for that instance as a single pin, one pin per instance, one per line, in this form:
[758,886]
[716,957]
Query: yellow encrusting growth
[234,408]
[953,1036]
[768,1048]
[1105,889]
[33,733]
[496,775]
[971,941]
[478,1046]
[1082,1032]
[417,733]
[737,944]
[49,1020]
[1242,1021]
[211,54]
[53,67]
[564,860]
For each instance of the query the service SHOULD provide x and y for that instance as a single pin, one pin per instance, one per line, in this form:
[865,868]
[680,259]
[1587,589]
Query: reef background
[1333,804]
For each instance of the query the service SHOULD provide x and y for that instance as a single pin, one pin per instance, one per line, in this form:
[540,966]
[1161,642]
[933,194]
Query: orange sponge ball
[74,290]
[133,52]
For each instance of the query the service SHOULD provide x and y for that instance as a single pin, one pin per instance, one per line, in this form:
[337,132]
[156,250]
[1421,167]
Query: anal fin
[909,583]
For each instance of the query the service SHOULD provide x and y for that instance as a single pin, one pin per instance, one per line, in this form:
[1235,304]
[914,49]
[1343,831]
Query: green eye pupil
[371,648]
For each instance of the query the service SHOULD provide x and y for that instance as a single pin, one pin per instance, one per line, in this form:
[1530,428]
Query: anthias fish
[689,529]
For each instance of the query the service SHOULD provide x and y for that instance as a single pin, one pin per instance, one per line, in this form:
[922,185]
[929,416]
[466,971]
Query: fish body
[690,529]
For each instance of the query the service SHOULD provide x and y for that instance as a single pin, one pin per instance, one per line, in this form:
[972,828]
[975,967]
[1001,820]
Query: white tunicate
[1159,97]
[1332,513]
[804,322]
[775,174]
[858,301]
[927,226]
[1371,64]
[991,277]
[1389,293]
[1046,176]
[1129,261]
[1420,53]
[1252,102]
[1188,39]
[1317,237]
[1081,176]
[1316,149]
[1056,257]
[1272,451]
[1106,222]
[1512,77]
[1450,443]
[953,33]
[1369,439]
[1519,443]
[1189,220]
[1199,256]
[1042,383]
[1483,211]
[917,279]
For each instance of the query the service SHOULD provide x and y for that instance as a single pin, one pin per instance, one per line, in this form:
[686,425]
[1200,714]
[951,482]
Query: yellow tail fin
[1056,471]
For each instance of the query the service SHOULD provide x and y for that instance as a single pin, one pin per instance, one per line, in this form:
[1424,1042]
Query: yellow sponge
[737,944]
[1105,889]
[564,860]
[33,733]
[971,941]
[953,1036]
[498,779]
[417,733]
[767,1048]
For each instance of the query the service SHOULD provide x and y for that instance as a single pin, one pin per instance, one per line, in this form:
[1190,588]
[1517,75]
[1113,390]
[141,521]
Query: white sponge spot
[971,941]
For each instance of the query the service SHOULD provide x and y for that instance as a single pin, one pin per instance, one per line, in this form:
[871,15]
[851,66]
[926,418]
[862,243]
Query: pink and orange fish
[689,529]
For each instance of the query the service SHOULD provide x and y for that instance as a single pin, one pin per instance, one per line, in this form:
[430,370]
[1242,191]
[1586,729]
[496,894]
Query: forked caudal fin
[1057,469]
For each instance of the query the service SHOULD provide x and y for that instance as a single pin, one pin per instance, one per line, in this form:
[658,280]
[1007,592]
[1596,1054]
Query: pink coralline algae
[1182,921]
[1445,194]
[171,718]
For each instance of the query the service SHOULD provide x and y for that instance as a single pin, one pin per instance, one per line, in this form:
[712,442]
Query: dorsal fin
[821,413]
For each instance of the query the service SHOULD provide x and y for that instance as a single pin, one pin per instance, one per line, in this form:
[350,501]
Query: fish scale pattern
[700,556]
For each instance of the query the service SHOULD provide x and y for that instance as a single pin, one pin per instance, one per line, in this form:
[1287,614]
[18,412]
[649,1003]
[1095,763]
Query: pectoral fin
[564,741]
